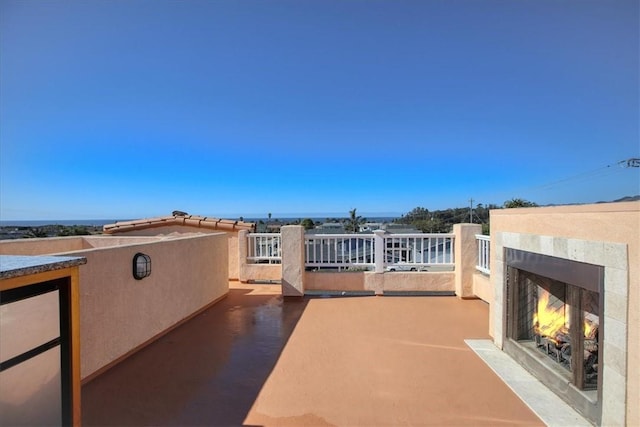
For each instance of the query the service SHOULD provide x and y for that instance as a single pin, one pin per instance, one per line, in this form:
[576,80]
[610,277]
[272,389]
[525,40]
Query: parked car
[403,266]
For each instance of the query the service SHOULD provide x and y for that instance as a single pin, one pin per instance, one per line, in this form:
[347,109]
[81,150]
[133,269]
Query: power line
[595,173]
[599,173]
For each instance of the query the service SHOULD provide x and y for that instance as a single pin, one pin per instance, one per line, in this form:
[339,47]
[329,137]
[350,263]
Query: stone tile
[615,255]
[530,242]
[613,401]
[615,358]
[497,252]
[511,240]
[594,253]
[615,332]
[546,245]
[615,305]
[497,239]
[498,311]
[549,407]
[560,248]
[575,249]
[616,280]
[498,287]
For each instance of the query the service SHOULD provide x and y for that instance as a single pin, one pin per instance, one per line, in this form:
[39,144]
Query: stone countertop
[22,265]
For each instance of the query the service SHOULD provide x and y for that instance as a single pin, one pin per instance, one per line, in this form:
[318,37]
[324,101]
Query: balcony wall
[168,230]
[380,282]
[42,246]
[458,281]
[119,314]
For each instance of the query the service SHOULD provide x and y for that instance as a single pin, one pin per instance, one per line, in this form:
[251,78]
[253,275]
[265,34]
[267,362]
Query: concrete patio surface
[256,359]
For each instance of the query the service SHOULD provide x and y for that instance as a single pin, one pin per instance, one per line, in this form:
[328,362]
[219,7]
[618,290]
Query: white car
[403,266]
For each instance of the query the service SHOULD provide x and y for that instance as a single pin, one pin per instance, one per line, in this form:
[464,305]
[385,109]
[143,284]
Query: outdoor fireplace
[554,324]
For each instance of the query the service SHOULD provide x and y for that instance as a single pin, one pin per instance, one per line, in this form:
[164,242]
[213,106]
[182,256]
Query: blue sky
[128,109]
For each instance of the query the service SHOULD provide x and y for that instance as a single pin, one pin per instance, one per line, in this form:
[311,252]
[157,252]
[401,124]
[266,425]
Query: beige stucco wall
[232,237]
[482,287]
[254,272]
[41,246]
[334,281]
[616,223]
[380,282]
[118,313]
[465,257]
[258,272]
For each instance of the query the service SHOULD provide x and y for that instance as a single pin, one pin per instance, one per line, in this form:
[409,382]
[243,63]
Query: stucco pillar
[292,260]
[243,252]
[379,251]
[465,257]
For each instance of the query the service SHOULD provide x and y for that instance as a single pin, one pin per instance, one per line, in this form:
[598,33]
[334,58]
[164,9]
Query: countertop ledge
[22,265]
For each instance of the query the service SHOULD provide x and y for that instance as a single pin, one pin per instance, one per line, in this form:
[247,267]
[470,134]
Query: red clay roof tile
[184,220]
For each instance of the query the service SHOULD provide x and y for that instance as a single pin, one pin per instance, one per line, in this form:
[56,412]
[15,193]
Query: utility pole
[471,211]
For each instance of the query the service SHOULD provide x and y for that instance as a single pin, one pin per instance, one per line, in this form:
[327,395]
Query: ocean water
[101,222]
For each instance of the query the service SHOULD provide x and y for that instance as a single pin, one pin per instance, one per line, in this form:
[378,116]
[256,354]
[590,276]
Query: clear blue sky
[129,109]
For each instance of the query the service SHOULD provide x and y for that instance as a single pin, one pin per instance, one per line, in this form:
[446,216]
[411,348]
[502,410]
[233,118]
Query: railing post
[379,251]
[243,253]
[465,257]
[292,260]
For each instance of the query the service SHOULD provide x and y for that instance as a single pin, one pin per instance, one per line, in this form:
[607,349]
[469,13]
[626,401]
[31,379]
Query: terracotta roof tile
[184,220]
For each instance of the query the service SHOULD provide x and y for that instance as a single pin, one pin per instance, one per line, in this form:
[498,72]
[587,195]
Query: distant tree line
[437,221]
[53,230]
[442,221]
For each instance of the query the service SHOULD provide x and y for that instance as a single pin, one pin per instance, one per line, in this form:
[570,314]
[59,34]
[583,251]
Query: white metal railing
[264,248]
[484,243]
[412,251]
[401,251]
[339,250]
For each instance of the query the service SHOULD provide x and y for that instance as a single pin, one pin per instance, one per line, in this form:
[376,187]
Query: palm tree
[353,224]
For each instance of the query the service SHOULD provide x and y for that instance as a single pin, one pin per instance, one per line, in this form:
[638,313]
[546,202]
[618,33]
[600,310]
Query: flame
[589,328]
[549,318]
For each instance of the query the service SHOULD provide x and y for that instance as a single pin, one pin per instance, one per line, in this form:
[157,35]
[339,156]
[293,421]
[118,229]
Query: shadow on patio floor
[208,371]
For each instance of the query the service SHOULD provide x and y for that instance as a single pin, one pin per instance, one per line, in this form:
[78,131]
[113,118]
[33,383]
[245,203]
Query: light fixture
[141,266]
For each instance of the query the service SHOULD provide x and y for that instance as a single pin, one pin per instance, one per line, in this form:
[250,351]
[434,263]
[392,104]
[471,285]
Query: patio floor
[254,359]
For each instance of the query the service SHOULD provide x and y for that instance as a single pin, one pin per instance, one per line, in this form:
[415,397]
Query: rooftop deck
[254,359]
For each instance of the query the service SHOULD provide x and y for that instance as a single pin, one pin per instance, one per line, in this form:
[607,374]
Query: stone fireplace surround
[614,259]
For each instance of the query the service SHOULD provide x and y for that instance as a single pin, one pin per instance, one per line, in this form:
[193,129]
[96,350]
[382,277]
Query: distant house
[328,228]
[371,227]
[400,229]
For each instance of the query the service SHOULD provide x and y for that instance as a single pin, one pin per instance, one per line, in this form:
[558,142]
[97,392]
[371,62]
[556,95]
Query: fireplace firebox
[554,324]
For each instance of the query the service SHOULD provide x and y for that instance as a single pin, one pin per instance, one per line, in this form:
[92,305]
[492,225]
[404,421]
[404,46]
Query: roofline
[183,220]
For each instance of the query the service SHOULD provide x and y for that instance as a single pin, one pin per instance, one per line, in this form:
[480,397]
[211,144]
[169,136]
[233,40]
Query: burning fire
[550,319]
[590,328]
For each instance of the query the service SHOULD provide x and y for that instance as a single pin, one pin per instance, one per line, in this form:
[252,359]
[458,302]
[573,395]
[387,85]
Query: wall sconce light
[141,266]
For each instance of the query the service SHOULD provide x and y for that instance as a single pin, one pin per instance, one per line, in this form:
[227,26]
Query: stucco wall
[52,245]
[482,287]
[41,246]
[380,282]
[119,313]
[334,281]
[232,237]
[257,272]
[617,223]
